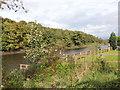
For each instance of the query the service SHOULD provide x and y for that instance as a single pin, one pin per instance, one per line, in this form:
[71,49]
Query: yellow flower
[27,79]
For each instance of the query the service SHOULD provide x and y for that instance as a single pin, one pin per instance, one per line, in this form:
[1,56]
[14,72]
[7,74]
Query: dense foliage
[113,41]
[65,75]
[118,40]
[14,35]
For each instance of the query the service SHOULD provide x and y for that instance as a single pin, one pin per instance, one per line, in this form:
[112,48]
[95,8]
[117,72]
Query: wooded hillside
[14,36]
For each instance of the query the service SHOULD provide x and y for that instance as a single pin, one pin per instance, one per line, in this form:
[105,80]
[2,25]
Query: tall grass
[56,74]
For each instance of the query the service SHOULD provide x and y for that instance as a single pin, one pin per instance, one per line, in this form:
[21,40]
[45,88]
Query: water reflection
[10,62]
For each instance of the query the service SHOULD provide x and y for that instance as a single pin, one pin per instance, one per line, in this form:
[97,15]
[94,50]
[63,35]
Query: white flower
[2,86]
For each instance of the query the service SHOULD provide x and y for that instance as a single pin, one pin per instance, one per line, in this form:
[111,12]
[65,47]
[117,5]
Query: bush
[113,41]
[15,80]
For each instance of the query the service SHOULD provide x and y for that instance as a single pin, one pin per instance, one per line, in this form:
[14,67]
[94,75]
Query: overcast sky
[96,17]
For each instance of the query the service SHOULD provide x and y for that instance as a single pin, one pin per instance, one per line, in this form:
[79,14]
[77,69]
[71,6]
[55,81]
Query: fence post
[110,48]
[20,67]
[60,51]
[24,66]
[80,53]
[90,52]
[107,49]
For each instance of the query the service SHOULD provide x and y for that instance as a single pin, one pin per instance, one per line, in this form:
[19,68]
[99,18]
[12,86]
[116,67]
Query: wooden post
[80,53]
[74,54]
[60,51]
[24,66]
[90,52]
[20,67]
[109,48]
[66,59]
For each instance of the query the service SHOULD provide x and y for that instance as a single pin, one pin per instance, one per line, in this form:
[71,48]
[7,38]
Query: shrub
[15,79]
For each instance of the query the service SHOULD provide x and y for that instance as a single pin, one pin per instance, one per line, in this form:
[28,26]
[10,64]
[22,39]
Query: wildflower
[2,86]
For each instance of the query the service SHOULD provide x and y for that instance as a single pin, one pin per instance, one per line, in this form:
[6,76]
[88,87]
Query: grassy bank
[11,53]
[110,57]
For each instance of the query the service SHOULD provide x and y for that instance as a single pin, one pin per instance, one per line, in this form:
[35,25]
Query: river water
[10,62]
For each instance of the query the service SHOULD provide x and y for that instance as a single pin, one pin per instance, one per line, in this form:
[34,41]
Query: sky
[96,17]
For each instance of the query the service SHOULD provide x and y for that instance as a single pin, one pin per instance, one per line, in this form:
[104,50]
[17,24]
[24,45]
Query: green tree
[118,40]
[36,44]
[113,41]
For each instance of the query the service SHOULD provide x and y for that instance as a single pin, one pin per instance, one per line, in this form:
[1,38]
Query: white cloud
[70,14]
[101,31]
[98,27]
[53,24]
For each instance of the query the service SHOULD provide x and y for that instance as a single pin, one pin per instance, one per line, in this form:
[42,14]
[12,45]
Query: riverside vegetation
[55,74]
[47,70]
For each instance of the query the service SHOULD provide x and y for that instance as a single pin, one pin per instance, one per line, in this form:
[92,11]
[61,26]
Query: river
[10,62]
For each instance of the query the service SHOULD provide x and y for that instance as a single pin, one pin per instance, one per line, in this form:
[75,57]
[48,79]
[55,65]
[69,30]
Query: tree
[113,41]
[14,36]
[118,40]
[36,44]
[12,5]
